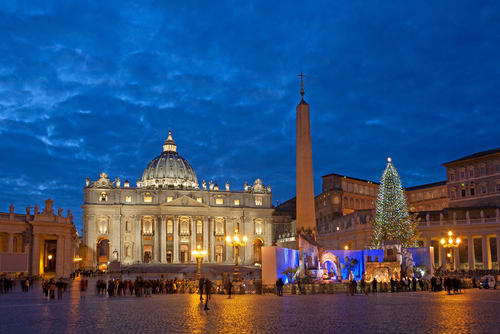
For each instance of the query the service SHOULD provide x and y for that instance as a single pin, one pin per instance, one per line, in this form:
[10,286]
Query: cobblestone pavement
[475,311]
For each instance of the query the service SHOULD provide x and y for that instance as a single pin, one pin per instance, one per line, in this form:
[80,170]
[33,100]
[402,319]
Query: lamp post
[450,243]
[199,254]
[236,241]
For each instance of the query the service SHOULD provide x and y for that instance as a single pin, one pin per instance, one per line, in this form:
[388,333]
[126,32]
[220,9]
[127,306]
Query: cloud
[90,87]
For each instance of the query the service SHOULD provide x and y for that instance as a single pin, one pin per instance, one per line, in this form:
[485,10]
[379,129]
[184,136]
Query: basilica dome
[169,169]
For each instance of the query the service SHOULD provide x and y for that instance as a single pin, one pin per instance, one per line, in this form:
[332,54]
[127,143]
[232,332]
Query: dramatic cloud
[90,87]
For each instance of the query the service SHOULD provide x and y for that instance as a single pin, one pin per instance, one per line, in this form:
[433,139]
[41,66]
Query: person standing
[363,286]
[374,285]
[208,288]
[201,283]
[229,288]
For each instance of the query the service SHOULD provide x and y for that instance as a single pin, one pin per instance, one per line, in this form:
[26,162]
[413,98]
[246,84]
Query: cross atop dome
[169,144]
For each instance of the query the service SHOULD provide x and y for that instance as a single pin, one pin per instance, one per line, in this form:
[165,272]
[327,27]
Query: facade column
[498,250]
[35,255]
[486,254]
[176,239]
[470,251]
[205,237]
[211,223]
[115,236]
[163,239]
[60,256]
[70,255]
[138,240]
[193,238]
[229,250]
[10,244]
[427,241]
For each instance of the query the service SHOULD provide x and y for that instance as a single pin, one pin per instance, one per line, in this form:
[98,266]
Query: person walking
[279,287]
[208,288]
[363,286]
[60,286]
[229,288]
[201,283]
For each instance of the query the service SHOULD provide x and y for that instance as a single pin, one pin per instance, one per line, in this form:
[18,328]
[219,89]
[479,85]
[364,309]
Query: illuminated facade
[166,216]
[38,244]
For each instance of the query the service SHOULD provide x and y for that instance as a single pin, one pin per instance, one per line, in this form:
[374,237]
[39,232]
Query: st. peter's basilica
[167,215]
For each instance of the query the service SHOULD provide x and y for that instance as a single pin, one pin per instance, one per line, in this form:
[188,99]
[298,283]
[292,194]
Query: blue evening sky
[90,86]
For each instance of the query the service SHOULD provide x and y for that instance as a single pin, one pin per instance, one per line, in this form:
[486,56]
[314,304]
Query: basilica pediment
[185,201]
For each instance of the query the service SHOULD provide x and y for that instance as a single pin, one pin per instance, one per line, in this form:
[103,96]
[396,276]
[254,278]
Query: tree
[393,221]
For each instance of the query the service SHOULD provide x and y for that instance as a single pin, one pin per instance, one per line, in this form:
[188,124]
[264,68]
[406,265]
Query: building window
[484,189]
[148,198]
[219,201]
[483,170]
[128,199]
[184,227]
[498,187]
[471,173]
[472,191]
[169,257]
[452,177]
[199,227]
[169,199]
[462,175]
[236,202]
[258,201]
[259,227]
[103,197]
[497,168]
[463,192]
[219,226]
[170,227]
[147,227]
[184,254]
[199,199]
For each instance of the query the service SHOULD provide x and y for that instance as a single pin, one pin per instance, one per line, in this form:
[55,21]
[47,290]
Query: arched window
[148,198]
[102,226]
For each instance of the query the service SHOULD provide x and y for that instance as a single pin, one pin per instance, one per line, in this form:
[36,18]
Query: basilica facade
[167,215]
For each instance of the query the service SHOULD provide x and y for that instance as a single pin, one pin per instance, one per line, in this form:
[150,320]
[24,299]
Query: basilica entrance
[257,250]
[50,252]
[148,253]
[184,254]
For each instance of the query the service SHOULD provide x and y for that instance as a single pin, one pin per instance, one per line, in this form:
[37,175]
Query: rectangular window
[169,199]
[199,199]
[219,201]
[463,192]
[483,170]
[199,227]
[236,202]
[452,177]
[471,173]
[472,191]
[483,189]
[258,201]
[498,187]
[128,199]
[148,198]
[462,175]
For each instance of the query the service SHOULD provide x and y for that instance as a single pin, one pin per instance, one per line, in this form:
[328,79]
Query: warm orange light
[346,247]
[449,254]
[77,259]
[458,240]
[228,239]
[442,241]
[49,257]
[450,240]
[450,233]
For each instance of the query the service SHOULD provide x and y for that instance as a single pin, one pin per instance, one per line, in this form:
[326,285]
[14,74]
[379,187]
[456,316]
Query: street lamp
[346,247]
[199,254]
[236,241]
[450,243]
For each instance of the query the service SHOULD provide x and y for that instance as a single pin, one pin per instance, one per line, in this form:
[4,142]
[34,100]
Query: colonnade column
[205,237]
[498,250]
[456,257]
[176,240]
[10,244]
[442,256]
[138,240]
[486,253]
[163,239]
[60,256]
[35,255]
[470,251]
[156,235]
[229,250]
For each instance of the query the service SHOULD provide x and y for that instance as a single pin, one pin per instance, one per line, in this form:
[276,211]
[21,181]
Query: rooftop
[475,155]
[350,177]
[427,185]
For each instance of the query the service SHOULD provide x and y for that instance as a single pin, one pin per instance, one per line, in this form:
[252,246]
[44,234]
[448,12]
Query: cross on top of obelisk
[301,76]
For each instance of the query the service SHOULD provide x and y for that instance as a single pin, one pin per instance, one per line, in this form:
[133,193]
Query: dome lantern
[169,144]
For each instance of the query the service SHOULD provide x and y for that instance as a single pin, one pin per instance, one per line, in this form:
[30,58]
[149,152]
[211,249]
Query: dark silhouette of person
[414,284]
[229,288]
[201,284]
[374,285]
[279,286]
[208,288]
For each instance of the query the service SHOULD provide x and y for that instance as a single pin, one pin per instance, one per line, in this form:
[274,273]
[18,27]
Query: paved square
[475,311]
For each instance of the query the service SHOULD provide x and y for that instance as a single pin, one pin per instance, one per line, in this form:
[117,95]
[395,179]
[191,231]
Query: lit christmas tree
[393,222]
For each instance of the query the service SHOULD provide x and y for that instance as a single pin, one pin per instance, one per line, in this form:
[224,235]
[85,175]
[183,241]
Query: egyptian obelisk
[306,216]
